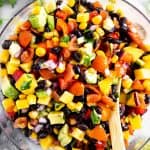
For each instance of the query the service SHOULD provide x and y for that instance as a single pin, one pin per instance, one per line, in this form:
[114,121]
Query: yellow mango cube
[77,134]
[44,100]
[68,10]
[4,56]
[31,99]
[141,74]
[71,3]
[146,85]
[11,68]
[8,103]
[46,142]
[26,66]
[3,72]
[66,97]
[15,61]
[22,104]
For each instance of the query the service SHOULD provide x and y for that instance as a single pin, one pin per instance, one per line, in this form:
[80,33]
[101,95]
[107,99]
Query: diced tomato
[100,145]
[72,25]
[139,110]
[62,83]
[17,74]
[53,57]
[47,74]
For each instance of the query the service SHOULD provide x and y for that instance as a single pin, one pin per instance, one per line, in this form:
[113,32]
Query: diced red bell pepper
[139,110]
[17,74]
[87,114]
[100,145]
[53,57]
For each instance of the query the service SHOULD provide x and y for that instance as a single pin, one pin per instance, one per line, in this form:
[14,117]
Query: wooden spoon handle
[115,126]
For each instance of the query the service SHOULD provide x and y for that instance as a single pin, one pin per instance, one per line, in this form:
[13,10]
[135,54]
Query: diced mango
[11,68]
[146,85]
[135,52]
[146,58]
[105,85]
[135,121]
[77,134]
[126,83]
[15,61]
[83,17]
[8,104]
[44,100]
[4,56]
[46,142]
[31,99]
[68,10]
[75,106]
[131,101]
[26,66]
[22,104]
[3,72]
[141,74]
[66,97]
[97,19]
[71,3]
[26,84]
[126,135]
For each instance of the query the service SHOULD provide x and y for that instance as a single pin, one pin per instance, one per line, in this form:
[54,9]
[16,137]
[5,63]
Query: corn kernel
[100,52]
[55,33]
[31,99]
[36,10]
[100,31]
[61,67]
[48,35]
[114,59]
[33,114]
[97,19]
[3,72]
[8,103]
[83,26]
[82,9]
[33,136]
[22,96]
[76,76]
[120,12]
[71,3]
[4,56]
[55,39]
[63,44]
[83,17]
[110,7]
[96,36]
[22,104]
[146,85]
[40,52]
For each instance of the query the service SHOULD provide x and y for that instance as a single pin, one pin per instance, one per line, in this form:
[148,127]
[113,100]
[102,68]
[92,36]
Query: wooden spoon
[115,126]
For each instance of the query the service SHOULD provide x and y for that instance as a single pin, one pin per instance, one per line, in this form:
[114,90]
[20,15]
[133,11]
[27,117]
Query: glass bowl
[14,139]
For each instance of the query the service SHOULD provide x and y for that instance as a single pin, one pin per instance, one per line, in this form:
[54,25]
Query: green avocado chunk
[51,22]
[7,89]
[39,21]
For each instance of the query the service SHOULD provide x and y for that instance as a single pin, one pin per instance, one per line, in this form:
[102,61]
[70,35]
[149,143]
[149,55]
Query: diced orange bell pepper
[72,25]
[69,73]
[49,44]
[98,133]
[66,53]
[53,57]
[47,74]
[108,101]
[137,85]
[93,99]
[62,25]
[126,57]
[43,45]
[61,14]
[77,89]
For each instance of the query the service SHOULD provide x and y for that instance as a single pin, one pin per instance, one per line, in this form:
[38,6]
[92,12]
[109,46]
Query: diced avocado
[66,97]
[64,136]
[49,5]
[39,21]
[41,93]
[134,52]
[77,134]
[91,76]
[22,104]
[51,22]
[56,117]
[142,74]
[7,89]
[26,84]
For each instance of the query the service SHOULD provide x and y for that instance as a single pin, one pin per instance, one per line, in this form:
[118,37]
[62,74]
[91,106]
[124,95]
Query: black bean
[58,2]
[123,25]
[12,80]
[122,110]
[145,54]
[82,77]
[83,2]
[49,128]
[105,126]
[87,91]
[114,15]
[124,126]
[56,50]
[112,40]
[6,44]
[76,56]
[88,34]
[47,29]
[42,134]
[41,84]
[82,127]
[66,111]
[38,38]
[27,132]
[76,69]
[147,99]
[34,107]
[80,98]
[36,67]
[78,33]
[2,65]
[98,110]
[90,6]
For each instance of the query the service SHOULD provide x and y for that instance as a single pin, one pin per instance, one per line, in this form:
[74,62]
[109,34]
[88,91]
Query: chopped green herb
[26,85]
[1,22]
[12,2]
[65,39]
